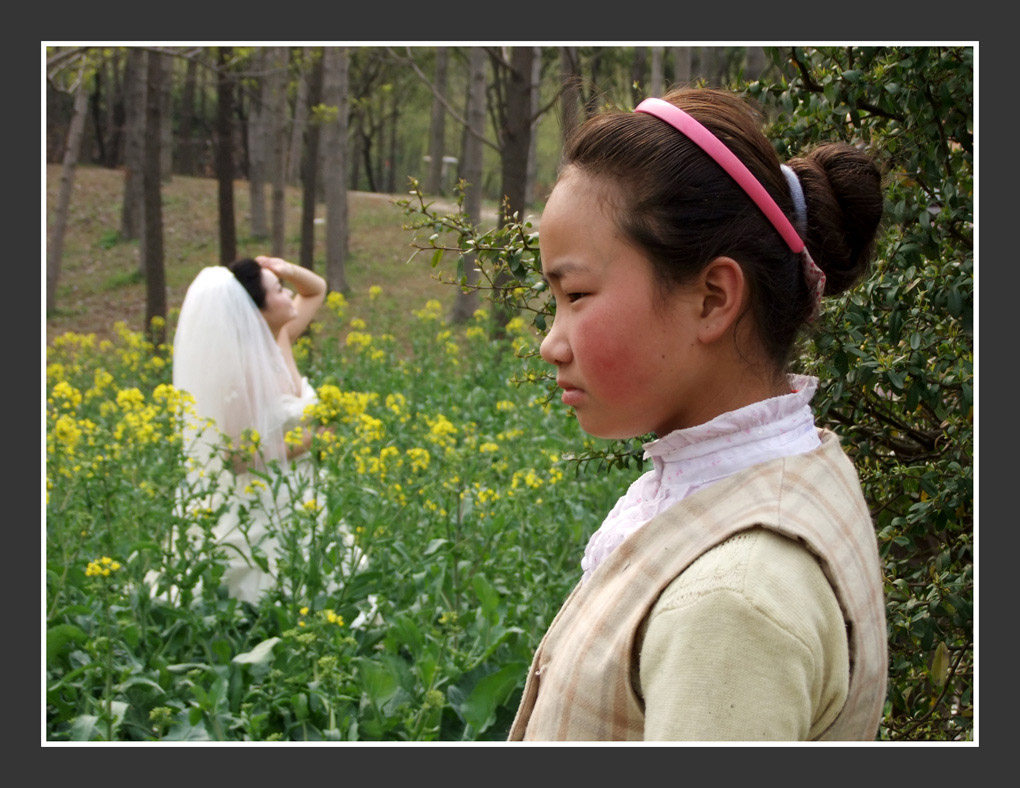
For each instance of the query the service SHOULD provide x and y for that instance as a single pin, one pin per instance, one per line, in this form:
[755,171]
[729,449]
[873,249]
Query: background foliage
[896,356]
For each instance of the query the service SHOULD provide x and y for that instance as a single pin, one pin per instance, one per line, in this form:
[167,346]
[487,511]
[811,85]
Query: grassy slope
[99,283]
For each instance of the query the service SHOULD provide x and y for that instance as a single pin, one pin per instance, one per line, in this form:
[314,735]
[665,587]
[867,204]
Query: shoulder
[775,577]
[748,643]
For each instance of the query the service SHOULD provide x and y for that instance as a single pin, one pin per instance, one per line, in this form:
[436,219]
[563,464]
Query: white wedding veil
[226,358]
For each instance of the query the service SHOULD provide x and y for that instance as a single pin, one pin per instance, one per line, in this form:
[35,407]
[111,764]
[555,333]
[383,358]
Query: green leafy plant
[895,356]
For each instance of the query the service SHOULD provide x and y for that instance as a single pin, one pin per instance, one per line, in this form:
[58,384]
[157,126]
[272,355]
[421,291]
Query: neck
[728,386]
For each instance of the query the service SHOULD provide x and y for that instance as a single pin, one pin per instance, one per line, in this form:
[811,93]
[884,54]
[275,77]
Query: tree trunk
[570,77]
[471,158]
[186,141]
[297,131]
[681,66]
[134,144]
[257,145]
[532,169]
[225,156]
[591,99]
[756,63]
[437,127]
[309,168]
[363,144]
[334,89]
[165,67]
[203,78]
[707,66]
[74,136]
[95,101]
[113,109]
[722,67]
[117,116]
[277,62]
[657,80]
[155,279]
[391,157]
[516,132]
[516,140]
[166,137]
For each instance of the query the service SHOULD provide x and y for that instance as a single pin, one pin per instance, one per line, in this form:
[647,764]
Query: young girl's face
[627,358]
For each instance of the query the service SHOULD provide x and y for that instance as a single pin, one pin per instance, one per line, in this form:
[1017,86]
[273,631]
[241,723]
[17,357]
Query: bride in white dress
[232,353]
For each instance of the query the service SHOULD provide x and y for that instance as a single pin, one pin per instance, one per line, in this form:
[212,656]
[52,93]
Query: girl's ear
[723,290]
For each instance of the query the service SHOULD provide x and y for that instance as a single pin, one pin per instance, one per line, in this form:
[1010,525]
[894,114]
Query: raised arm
[309,289]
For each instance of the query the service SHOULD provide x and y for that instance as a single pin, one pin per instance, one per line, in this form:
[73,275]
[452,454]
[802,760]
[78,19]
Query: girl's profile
[734,591]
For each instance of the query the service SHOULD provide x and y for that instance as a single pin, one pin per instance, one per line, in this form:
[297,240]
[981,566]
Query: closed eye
[572,297]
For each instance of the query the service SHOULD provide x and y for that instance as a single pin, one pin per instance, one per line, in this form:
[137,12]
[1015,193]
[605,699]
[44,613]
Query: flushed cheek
[607,363]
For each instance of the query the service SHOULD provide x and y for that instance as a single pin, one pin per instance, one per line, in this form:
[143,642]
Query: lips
[571,394]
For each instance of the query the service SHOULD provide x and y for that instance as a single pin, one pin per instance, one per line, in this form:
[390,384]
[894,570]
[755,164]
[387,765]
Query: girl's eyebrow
[557,272]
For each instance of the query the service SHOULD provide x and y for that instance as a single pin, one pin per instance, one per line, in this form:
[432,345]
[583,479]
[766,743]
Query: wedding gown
[226,358]
[266,513]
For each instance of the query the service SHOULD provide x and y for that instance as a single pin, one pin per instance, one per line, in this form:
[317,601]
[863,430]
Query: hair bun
[843,190]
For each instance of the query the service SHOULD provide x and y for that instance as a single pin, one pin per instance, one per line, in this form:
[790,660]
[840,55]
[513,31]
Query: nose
[555,348]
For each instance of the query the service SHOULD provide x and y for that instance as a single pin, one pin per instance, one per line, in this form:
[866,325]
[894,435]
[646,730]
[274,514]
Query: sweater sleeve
[747,644]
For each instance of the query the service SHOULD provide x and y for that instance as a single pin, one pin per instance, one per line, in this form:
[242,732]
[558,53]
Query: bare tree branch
[442,99]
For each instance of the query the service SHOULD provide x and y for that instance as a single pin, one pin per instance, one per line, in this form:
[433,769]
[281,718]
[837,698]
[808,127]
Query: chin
[610,432]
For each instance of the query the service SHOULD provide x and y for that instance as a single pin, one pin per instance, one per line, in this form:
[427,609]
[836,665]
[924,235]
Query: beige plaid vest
[579,687]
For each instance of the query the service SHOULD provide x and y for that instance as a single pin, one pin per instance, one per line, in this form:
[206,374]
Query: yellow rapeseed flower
[333,618]
[369,428]
[101,381]
[396,402]
[101,567]
[433,311]
[130,399]
[65,396]
[441,429]
[358,339]
[419,458]
[516,325]
[67,433]
[336,303]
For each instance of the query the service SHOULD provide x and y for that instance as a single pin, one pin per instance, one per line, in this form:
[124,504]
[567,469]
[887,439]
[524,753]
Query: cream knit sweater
[748,643]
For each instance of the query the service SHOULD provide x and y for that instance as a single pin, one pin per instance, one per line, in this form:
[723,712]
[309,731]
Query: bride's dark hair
[249,274]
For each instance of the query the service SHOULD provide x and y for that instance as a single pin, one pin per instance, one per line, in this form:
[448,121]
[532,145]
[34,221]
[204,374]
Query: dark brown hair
[249,274]
[683,210]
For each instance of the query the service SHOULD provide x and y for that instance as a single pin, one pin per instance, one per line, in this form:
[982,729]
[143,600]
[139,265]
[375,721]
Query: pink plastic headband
[726,159]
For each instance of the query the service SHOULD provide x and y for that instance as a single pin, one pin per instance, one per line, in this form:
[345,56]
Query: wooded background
[334,119]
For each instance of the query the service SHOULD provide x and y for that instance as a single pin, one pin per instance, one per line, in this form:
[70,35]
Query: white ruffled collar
[687,460]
